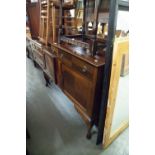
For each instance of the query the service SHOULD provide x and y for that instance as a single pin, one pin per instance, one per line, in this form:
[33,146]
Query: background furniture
[33,14]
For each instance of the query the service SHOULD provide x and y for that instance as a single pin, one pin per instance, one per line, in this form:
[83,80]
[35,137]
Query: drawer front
[77,65]
[83,68]
[65,58]
[36,47]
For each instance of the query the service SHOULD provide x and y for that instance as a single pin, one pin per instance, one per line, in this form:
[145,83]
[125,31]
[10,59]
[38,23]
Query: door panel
[49,66]
[77,86]
[68,82]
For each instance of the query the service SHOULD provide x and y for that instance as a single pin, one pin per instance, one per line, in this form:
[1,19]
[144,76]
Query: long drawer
[83,68]
[77,65]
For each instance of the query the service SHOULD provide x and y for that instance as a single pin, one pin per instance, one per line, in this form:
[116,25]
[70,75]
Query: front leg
[35,64]
[89,134]
[46,79]
[27,53]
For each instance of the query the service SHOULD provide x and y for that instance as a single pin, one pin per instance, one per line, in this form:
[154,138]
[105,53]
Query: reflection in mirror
[121,112]
[34,1]
[122,29]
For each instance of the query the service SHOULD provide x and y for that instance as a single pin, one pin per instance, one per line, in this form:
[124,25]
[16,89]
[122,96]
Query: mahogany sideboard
[76,73]
[79,76]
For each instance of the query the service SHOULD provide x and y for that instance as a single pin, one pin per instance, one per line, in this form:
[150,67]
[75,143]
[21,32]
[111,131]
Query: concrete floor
[54,125]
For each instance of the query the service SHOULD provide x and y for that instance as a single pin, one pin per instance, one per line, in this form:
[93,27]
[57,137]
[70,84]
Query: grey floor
[54,125]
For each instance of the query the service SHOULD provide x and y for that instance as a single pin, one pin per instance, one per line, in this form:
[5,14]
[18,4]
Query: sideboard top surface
[79,52]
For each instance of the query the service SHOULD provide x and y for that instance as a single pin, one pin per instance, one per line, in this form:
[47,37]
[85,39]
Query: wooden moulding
[121,47]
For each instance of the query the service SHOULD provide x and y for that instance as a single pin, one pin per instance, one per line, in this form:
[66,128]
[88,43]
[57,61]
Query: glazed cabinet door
[79,88]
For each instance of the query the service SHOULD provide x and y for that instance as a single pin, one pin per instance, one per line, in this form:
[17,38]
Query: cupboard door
[38,58]
[78,87]
[50,66]
[68,81]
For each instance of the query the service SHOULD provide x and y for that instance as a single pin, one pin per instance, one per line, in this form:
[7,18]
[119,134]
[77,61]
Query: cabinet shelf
[45,17]
[43,11]
[43,2]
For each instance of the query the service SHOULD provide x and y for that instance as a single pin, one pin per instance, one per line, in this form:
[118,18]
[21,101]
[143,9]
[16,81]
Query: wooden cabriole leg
[27,53]
[35,64]
[46,79]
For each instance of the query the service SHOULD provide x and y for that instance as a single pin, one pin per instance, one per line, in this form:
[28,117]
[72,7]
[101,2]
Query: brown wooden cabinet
[73,62]
[78,75]
[81,82]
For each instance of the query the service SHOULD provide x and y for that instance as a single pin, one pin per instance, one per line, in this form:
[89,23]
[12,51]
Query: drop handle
[84,69]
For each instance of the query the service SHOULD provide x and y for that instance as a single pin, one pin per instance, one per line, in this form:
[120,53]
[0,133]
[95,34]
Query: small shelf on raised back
[68,18]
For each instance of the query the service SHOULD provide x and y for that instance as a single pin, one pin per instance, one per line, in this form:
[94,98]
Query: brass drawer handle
[84,69]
